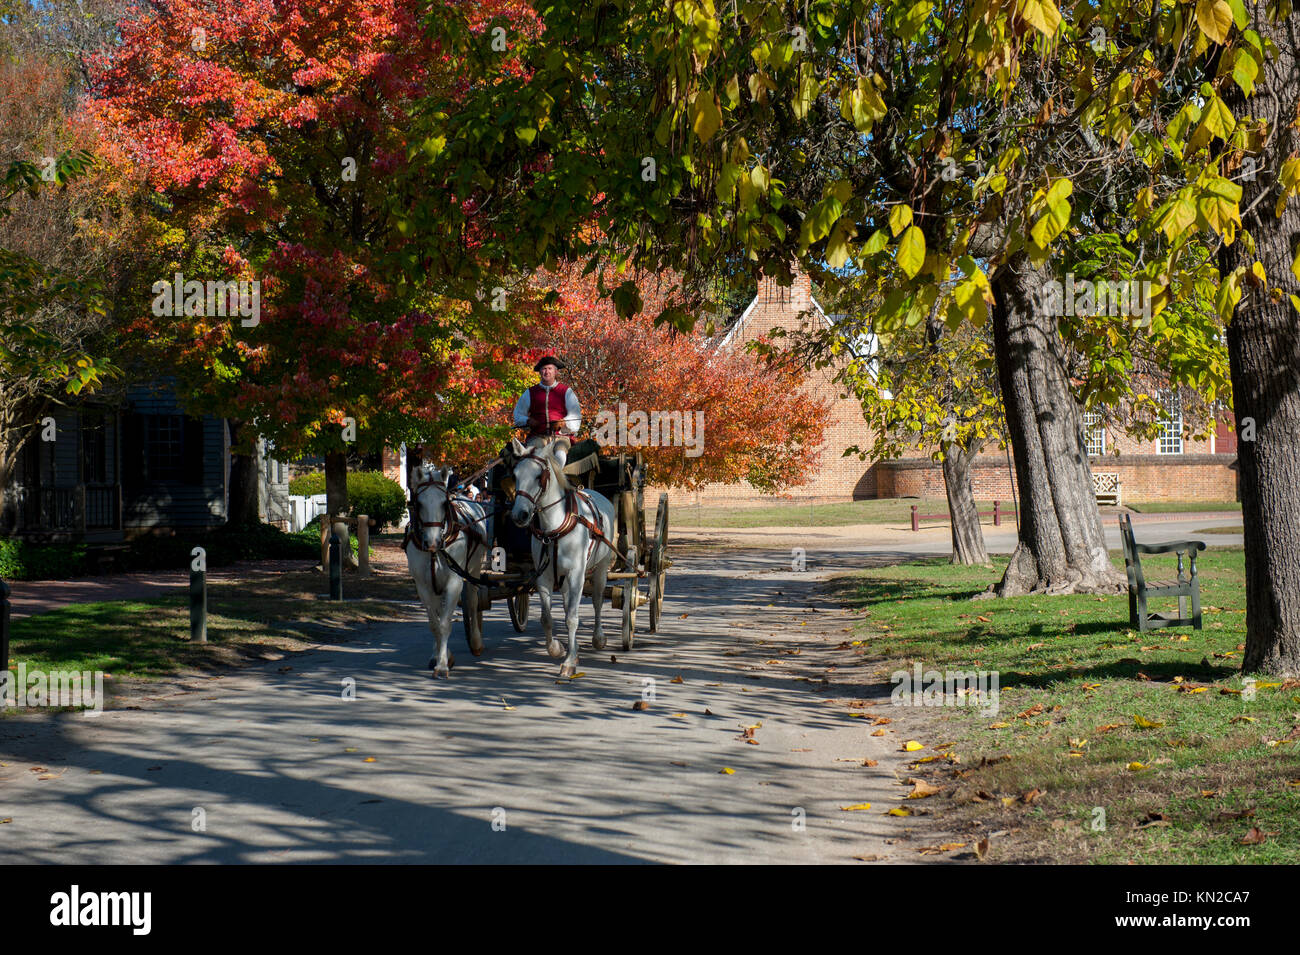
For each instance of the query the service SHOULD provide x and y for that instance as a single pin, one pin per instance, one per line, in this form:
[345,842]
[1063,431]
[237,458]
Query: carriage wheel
[657,563]
[471,606]
[518,605]
[629,602]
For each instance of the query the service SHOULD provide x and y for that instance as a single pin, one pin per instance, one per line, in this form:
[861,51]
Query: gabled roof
[744,317]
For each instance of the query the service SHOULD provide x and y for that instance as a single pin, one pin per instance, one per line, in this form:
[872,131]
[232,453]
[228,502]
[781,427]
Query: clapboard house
[109,470]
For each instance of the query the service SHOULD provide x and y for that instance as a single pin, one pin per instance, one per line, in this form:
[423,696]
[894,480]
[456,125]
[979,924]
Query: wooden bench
[1106,487]
[1139,589]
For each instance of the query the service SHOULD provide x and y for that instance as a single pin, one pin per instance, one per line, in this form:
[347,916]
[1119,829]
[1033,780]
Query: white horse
[443,526]
[573,539]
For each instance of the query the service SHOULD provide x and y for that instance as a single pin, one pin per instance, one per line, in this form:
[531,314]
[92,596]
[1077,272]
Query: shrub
[369,493]
[22,560]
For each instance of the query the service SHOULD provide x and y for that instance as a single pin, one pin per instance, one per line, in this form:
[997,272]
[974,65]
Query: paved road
[276,761]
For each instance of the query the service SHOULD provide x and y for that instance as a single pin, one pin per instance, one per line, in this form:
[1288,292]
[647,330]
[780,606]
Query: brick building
[1171,467]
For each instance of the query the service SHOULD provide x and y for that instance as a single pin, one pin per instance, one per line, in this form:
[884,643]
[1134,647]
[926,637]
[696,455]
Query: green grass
[149,639]
[795,514]
[1233,529]
[1180,507]
[1092,675]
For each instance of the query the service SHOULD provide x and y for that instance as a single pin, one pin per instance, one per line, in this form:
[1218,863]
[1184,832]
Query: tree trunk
[336,497]
[967,535]
[1264,351]
[1062,548]
[243,479]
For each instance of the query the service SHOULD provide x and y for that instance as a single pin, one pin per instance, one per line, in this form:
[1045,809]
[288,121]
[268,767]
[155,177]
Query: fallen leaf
[638,705]
[998,726]
[1242,719]
[727,771]
[1238,814]
[1152,819]
[1107,728]
[911,746]
[1135,766]
[878,733]
[1141,722]
[856,807]
[921,789]
[1252,838]
[872,762]
[945,847]
[677,679]
[1032,711]
[880,720]
[1029,796]
[899,811]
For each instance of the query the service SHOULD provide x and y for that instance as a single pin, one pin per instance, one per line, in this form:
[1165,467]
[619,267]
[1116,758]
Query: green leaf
[911,252]
[837,246]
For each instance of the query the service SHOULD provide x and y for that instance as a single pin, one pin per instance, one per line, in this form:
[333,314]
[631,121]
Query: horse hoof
[598,641]
[477,651]
[442,673]
[433,663]
[555,649]
[567,671]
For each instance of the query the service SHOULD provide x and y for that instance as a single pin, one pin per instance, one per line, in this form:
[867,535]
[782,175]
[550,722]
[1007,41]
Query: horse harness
[452,527]
[572,516]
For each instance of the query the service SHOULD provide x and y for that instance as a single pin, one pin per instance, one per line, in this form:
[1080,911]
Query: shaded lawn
[1074,679]
[149,639]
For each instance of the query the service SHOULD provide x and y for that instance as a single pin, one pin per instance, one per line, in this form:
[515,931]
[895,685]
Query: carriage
[641,567]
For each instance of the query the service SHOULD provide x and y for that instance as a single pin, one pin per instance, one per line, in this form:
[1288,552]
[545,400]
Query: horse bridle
[451,526]
[571,515]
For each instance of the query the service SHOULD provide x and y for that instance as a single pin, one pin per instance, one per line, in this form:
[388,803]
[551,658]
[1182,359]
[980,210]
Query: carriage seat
[583,457]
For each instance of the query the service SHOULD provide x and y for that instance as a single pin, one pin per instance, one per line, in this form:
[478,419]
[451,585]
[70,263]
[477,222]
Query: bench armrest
[1171,547]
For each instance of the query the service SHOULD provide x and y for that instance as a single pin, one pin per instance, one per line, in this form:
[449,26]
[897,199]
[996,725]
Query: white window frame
[1171,437]
[1094,434]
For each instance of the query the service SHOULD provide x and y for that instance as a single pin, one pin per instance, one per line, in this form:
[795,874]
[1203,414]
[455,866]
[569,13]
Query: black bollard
[198,606]
[336,567]
[4,625]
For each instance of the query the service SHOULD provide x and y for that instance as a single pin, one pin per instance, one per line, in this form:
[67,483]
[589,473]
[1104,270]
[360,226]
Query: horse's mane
[548,456]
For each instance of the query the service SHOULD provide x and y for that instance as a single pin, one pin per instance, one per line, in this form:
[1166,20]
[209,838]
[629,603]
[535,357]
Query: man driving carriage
[550,408]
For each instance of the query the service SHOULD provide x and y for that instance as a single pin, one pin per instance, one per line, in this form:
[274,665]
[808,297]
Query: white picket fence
[303,509]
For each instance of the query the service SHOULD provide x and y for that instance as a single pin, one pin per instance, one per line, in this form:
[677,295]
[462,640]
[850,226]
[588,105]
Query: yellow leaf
[726,771]
[1141,722]
[1215,19]
[368,759]
[911,251]
[911,746]
[1043,15]
[899,811]
[855,808]
[706,117]
[1135,766]
[900,217]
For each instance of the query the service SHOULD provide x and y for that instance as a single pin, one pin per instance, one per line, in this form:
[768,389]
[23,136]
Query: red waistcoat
[548,406]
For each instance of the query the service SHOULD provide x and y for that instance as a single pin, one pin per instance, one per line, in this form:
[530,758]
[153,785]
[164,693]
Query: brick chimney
[797,296]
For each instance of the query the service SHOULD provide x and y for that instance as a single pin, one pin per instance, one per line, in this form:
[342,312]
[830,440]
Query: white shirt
[572,410]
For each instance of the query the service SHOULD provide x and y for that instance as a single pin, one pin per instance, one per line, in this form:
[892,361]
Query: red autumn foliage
[759,422]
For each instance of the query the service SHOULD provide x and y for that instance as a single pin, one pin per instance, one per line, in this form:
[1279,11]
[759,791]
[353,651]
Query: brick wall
[835,477]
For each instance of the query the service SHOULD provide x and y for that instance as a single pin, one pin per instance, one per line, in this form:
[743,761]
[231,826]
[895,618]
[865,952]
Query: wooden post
[326,525]
[363,545]
[916,525]
[997,513]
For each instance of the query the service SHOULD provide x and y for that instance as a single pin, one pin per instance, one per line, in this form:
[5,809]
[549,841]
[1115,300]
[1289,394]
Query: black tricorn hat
[549,360]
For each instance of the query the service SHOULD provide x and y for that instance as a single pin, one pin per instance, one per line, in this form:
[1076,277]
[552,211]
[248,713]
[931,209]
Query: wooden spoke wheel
[629,603]
[657,563]
[518,605]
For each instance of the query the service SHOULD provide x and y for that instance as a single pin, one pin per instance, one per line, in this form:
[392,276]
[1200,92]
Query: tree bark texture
[967,535]
[1264,351]
[1062,548]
